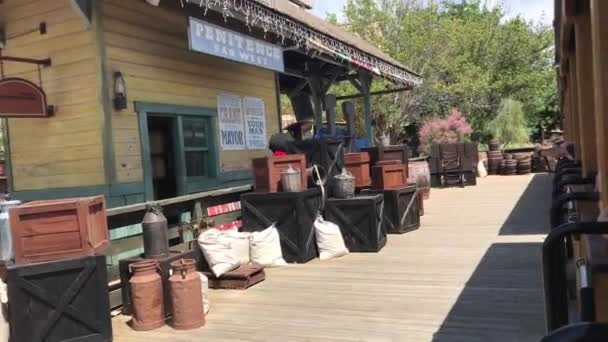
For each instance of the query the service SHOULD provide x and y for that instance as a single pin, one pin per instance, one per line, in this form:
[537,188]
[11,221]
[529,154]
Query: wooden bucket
[419,173]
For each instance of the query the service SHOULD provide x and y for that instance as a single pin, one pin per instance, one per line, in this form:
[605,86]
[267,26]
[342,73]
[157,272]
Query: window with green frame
[197,144]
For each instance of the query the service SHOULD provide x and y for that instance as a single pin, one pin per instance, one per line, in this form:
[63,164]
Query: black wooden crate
[360,220]
[165,266]
[66,300]
[294,214]
[326,152]
[401,209]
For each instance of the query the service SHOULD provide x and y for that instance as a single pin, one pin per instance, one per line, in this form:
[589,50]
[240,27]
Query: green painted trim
[180,158]
[125,189]
[109,160]
[233,176]
[145,153]
[184,185]
[8,166]
[33,195]
[214,152]
[116,194]
[160,108]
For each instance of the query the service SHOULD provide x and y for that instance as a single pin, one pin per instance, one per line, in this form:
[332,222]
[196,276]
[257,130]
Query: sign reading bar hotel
[217,41]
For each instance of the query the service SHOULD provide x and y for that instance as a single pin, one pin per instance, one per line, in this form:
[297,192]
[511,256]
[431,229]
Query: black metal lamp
[120,91]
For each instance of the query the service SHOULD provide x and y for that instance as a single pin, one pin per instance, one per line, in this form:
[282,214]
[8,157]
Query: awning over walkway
[294,25]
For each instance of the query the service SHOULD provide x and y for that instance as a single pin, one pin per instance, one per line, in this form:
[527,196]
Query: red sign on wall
[21,98]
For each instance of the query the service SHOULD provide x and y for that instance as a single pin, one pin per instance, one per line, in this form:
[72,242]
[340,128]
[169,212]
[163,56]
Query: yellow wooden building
[166,142]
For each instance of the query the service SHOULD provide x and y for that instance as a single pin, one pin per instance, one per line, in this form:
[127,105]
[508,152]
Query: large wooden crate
[59,229]
[165,268]
[393,152]
[63,300]
[390,176]
[267,171]
[360,220]
[358,165]
[294,215]
[402,209]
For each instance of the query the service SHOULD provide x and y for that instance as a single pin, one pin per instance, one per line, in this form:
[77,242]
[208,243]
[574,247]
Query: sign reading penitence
[221,42]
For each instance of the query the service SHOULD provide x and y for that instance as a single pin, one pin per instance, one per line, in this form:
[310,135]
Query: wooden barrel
[494,159]
[494,145]
[501,167]
[420,174]
[510,167]
[524,166]
[508,156]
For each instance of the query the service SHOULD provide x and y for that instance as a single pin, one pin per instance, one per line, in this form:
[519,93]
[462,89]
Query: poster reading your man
[255,123]
[231,125]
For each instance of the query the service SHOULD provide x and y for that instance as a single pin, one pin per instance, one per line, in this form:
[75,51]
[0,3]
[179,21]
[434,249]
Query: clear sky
[537,10]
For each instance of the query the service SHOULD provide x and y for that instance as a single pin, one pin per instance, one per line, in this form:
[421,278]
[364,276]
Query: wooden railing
[188,208]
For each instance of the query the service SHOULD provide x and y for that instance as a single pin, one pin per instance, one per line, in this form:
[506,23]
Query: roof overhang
[295,25]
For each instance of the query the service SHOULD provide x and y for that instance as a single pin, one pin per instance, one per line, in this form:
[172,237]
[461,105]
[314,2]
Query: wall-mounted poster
[255,123]
[230,118]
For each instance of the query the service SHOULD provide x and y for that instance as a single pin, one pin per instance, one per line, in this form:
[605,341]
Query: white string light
[257,15]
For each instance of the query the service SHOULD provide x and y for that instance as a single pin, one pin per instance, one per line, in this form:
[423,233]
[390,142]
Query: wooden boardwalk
[471,273]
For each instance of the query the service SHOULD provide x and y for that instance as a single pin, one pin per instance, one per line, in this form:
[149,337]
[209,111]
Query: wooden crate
[294,214]
[242,278]
[402,209]
[267,171]
[360,221]
[64,300]
[358,165]
[389,176]
[394,152]
[59,229]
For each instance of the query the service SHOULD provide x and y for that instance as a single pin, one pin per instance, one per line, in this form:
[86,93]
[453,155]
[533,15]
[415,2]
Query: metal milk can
[6,240]
[185,287]
[291,180]
[147,296]
[155,227]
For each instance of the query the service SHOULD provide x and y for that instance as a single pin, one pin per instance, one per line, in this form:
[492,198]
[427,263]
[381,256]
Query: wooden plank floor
[471,273]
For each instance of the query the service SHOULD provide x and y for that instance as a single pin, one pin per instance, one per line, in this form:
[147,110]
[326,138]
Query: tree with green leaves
[510,126]
[471,56]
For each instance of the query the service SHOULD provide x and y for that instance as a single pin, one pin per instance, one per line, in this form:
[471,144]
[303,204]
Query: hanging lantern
[120,91]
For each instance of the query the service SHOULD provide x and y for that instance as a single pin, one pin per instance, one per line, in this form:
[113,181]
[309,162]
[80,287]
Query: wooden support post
[599,35]
[584,74]
[315,82]
[574,118]
[365,80]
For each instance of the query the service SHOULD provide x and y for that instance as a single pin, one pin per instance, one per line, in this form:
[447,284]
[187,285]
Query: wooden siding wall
[65,150]
[149,46]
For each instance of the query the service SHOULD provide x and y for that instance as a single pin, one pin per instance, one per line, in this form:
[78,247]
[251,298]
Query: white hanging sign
[230,119]
[255,123]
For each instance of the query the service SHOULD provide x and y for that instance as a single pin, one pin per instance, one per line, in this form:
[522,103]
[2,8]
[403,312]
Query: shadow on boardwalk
[503,298]
[530,215]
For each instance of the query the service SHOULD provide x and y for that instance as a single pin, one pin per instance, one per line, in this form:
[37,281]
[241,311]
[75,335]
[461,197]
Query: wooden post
[599,35]
[574,117]
[365,79]
[315,82]
[584,74]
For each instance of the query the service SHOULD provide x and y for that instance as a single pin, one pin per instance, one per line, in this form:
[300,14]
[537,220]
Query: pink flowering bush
[451,129]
